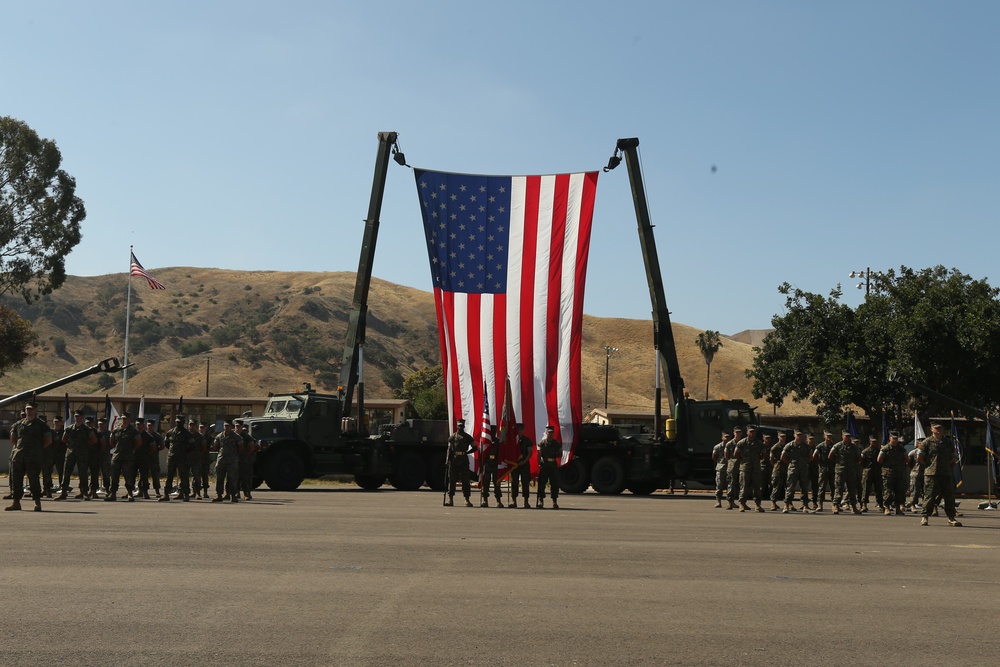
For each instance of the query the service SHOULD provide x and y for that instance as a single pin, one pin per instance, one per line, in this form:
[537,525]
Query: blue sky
[242,135]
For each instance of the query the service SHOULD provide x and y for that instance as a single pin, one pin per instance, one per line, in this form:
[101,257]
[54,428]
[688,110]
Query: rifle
[447,478]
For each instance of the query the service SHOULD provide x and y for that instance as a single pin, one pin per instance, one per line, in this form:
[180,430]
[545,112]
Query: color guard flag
[507,435]
[485,434]
[508,258]
[110,413]
[994,454]
[136,270]
[918,430]
[960,464]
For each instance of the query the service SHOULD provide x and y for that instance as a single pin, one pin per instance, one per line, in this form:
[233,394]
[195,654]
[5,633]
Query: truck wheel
[608,476]
[574,476]
[285,471]
[435,471]
[409,472]
[369,482]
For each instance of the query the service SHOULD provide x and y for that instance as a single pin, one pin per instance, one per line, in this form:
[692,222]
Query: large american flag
[508,258]
[137,271]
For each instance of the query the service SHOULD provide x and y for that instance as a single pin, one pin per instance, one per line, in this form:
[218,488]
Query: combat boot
[468,503]
[864,508]
[62,496]
[819,508]
[731,505]
[887,511]
[249,496]
[450,502]
[923,521]
[836,508]
[157,493]
[130,497]
[499,504]
[9,496]
[218,499]
[743,506]
[164,499]
[955,522]
[774,506]
[235,498]
[759,508]
[540,504]
[900,511]
[786,510]
[718,503]
[484,503]
[80,496]
[856,510]
[555,505]
[145,495]
[13,507]
[110,498]
[527,505]
[186,497]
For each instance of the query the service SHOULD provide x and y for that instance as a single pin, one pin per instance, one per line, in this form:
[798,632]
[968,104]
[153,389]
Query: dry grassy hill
[271,331]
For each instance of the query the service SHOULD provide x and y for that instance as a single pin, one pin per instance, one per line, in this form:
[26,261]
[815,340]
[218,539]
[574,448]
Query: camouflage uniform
[142,457]
[549,455]
[54,456]
[205,460]
[893,459]
[178,443]
[247,458]
[33,436]
[939,475]
[779,473]
[846,457]
[193,462]
[227,467]
[77,439]
[460,445]
[521,475]
[721,475]
[733,470]
[826,470]
[871,476]
[796,456]
[155,447]
[916,477]
[94,460]
[749,451]
[491,477]
[123,441]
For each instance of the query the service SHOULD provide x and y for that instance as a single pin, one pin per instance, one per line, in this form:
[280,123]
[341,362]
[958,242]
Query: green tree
[709,343]
[40,214]
[936,327]
[16,337]
[425,391]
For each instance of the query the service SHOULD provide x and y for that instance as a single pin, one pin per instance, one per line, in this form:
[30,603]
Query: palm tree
[709,343]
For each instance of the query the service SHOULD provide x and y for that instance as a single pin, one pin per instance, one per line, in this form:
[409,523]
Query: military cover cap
[150,421]
[767,435]
[936,425]
[751,429]
[30,406]
[845,432]
[550,427]
[57,418]
[893,434]
[88,418]
[126,415]
[229,422]
[460,422]
[872,438]
[102,420]
[737,429]
[180,418]
[78,412]
[192,421]
[827,433]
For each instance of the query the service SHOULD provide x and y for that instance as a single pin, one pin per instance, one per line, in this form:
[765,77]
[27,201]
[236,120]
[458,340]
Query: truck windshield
[290,406]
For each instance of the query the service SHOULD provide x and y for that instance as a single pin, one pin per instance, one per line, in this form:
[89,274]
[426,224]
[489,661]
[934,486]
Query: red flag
[507,434]
[508,257]
[139,272]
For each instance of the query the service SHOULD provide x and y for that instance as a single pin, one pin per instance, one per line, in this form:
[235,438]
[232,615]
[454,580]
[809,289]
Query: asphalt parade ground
[339,576]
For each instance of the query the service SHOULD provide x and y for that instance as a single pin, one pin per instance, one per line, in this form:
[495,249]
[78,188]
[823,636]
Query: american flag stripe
[136,270]
[531,328]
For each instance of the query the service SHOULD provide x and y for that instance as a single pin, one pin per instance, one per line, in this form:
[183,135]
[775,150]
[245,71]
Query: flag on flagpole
[137,271]
[66,414]
[885,428]
[918,430]
[509,451]
[110,413]
[142,407]
[960,463]
[852,426]
[508,258]
[485,435]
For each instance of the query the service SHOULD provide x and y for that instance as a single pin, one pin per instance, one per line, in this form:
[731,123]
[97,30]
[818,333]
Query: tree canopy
[425,391]
[40,214]
[935,327]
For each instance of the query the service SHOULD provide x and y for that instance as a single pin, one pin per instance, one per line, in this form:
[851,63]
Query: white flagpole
[128,317]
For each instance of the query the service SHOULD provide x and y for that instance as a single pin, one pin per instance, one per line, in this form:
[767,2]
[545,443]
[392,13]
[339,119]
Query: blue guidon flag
[508,258]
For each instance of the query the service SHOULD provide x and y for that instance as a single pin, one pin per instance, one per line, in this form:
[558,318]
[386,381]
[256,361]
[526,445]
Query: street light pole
[867,274]
[608,350]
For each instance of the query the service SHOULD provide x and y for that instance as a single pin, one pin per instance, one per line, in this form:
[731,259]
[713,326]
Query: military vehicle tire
[369,482]
[435,471]
[574,476]
[408,472]
[608,476]
[643,488]
[285,471]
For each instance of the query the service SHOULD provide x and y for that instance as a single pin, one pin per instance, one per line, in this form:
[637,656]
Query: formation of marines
[750,468]
[103,458]
[461,445]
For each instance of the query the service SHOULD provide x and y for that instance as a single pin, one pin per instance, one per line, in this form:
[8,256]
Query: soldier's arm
[92,438]
[47,439]
[137,443]
[65,437]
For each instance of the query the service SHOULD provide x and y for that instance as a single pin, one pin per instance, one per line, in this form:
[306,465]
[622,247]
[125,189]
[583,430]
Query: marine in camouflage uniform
[796,456]
[826,470]
[125,440]
[194,460]
[10,459]
[100,461]
[733,468]
[779,471]
[229,445]
[916,478]
[29,437]
[765,467]
[78,438]
[142,458]
[460,445]
[247,458]
[93,459]
[871,475]
[721,475]
[939,457]
[178,443]
[155,447]
[491,475]
[205,460]
[749,451]
[847,459]
[892,458]
[549,455]
[520,476]
[54,457]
